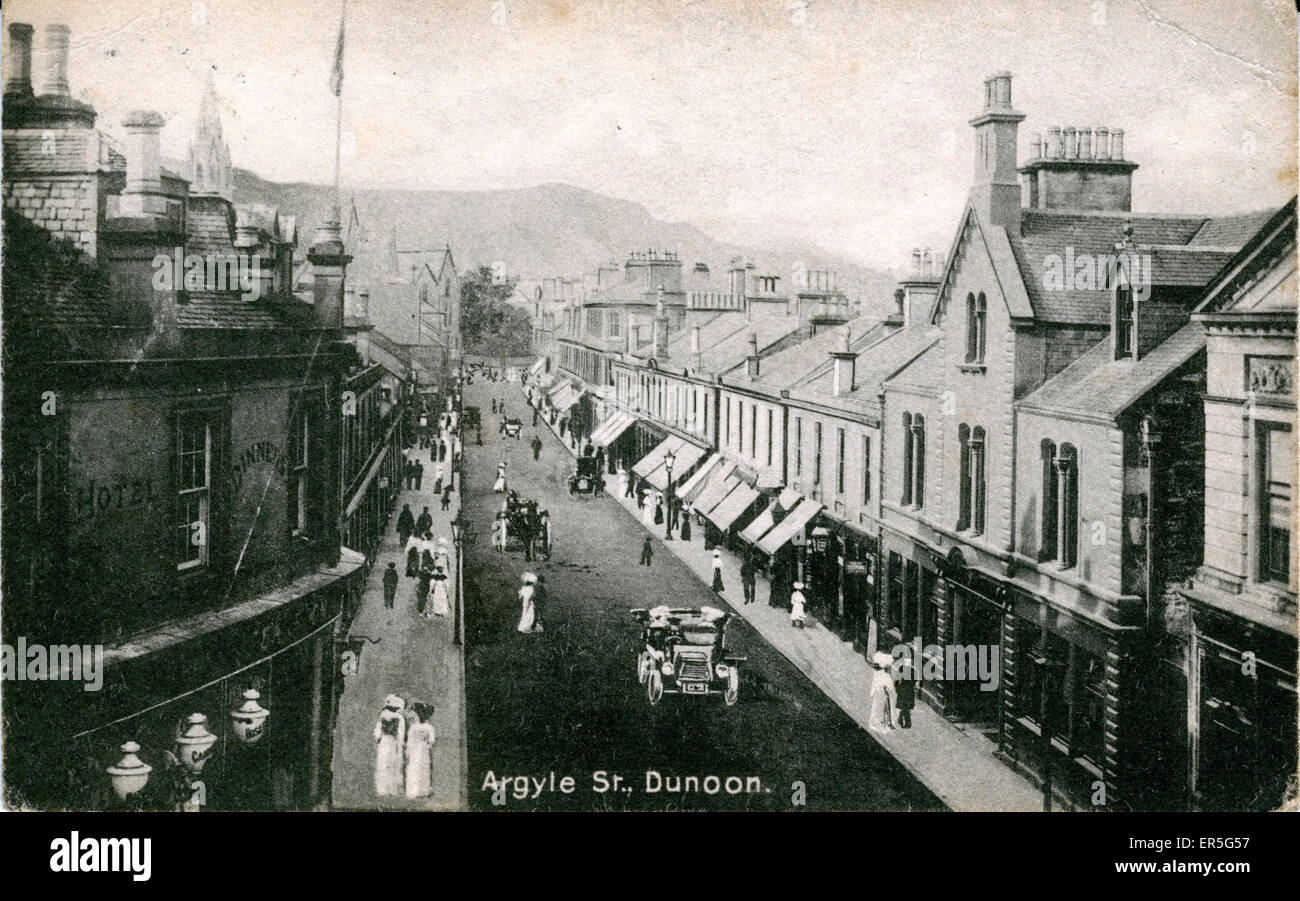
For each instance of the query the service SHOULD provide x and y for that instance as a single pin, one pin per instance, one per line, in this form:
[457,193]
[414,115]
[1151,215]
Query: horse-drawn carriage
[684,651]
[587,477]
[523,523]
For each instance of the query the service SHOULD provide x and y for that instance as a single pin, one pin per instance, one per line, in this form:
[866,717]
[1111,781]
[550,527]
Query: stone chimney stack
[54,74]
[661,328]
[18,82]
[329,263]
[843,364]
[751,362]
[143,195]
[1080,169]
[995,192]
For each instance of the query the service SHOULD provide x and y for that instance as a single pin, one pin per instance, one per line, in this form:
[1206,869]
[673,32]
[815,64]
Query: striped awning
[764,521]
[691,488]
[653,460]
[794,522]
[716,492]
[734,506]
[686,457]
[609,430]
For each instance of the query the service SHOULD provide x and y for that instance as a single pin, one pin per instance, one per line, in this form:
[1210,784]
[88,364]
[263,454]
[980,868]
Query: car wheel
[731,693]
[643,665]
[654,687]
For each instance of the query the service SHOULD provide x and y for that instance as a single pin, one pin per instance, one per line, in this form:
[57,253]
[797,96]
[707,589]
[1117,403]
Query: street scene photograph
[649,406]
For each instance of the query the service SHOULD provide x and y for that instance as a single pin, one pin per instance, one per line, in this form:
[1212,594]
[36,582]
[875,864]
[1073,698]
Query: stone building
[172,446]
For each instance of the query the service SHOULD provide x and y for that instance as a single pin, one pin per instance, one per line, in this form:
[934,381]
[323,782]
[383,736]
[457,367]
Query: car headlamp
[667,668]
[721,670]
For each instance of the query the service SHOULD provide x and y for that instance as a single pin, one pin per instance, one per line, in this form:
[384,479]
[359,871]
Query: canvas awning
[651,461]
[733,506]
[609,430]
[537,367]
[560,385]
[794,522]
[787,500]
[562,400]
[716,492]
[686,457]
[688,490]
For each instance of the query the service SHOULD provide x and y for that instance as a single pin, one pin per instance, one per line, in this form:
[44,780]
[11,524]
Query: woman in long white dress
[419,753]
[528,611]
[441,607]
[884,697]
[499,485]
[797,604]
[390,736]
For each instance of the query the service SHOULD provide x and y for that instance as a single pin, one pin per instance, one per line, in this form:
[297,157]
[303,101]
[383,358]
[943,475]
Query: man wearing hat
[390,585]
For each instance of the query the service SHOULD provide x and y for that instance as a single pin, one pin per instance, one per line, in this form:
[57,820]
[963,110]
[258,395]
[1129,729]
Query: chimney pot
[19,82]
[1071,145]
[1054,142]
[1101,145]
[1085,143]
[142,195]
[1117,144]
[55,70]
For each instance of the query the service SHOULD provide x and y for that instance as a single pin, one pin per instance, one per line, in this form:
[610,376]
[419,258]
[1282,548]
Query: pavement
[410,656]
[958,765]
[567,701]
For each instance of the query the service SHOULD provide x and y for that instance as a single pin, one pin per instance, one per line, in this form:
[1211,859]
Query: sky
[836,123]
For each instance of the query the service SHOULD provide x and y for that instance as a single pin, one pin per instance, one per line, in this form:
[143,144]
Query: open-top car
[587,477]
[685,652]
[512,427]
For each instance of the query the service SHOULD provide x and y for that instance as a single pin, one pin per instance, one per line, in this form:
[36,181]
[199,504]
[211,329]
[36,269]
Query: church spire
[208,165]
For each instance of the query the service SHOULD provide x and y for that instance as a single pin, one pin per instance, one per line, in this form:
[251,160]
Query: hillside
[548,230]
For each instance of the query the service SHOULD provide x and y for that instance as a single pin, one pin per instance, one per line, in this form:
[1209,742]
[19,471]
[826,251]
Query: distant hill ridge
[548,230]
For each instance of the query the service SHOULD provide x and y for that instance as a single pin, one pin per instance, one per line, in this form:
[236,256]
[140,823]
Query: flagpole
[338,131]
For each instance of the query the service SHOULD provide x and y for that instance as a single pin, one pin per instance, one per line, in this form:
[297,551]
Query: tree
[489,325]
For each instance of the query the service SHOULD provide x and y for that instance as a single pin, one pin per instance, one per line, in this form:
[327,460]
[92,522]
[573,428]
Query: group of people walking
[427,561]
[404,739]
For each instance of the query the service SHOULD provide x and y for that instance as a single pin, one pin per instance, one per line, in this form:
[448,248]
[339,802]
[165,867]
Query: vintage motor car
[685,652]
[512,427]
[587,478]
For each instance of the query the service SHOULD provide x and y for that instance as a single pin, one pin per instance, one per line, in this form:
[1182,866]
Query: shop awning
[562,400]
[537,367]
[787,500]
[716,492]
[555,389]
[609,430]
[794,522]
[687,490]
[651,461]
[734,506]
[686,457]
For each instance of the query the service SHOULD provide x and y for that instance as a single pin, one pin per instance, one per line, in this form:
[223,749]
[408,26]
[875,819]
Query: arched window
[976,327]
[977,477]
[907,459]
[1067,491]
[963,507]
[918,463]
[1125,323]
[1047,550]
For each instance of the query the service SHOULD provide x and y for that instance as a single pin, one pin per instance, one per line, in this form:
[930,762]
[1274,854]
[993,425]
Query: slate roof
[872,367]
[1044,233]
[218,310]
[209,225]
[49,282]
[806,359]
[731,346]
[1098,386]
[923,373]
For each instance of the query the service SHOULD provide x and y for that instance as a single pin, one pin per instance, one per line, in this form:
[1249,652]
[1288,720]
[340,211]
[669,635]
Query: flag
[336,75]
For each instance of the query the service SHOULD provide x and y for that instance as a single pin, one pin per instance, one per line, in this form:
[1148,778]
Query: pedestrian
[390,585]
[659,510]
[441,606]
[540,597]
[499,533]
[419,474]
[797,604]
[446,496]
[437,479]
[905,690]
[647,552]
[537,447]
[499,486]
[424,523]
[534,417]
[390,736]
[405,524]
[748,577]
[409,469]
[544,535]
[413,546]
[422,582]
[442,555]
[419,753]
[717,571]
[686,525]
[600,459]
[884,697]
[494,405]
[527,609]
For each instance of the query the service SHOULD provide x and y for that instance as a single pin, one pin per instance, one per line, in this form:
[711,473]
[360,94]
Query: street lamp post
[669,459]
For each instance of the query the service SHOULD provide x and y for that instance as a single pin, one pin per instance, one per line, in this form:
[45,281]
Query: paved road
[567,701]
